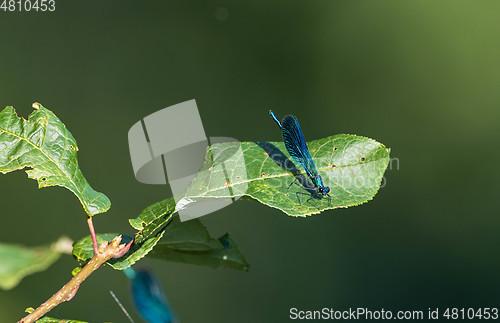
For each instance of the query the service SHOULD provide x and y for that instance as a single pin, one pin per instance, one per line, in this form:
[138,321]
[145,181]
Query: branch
[104,253]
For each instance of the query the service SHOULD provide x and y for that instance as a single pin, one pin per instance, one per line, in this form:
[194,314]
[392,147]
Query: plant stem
[92,233]
[103,253]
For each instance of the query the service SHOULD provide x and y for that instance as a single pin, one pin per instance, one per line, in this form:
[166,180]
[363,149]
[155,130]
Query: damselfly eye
[324,190]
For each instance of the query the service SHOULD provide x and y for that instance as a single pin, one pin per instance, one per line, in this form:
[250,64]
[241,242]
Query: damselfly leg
[312,191]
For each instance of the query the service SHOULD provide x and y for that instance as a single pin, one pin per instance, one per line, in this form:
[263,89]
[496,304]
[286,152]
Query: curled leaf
[152,218]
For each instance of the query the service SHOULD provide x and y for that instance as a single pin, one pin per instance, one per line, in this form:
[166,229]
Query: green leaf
[187,242]
[352,166]
[190,236]
[76,270]
[184,240]
[152,218]
[19,261]
[190,242]
[43,144]
[226,256]
[47,319]
[83,249]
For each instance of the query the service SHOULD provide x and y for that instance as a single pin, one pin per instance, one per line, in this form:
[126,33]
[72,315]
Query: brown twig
[104,253]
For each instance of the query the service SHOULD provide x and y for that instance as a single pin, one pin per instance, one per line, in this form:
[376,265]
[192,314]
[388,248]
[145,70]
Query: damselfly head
[324,190]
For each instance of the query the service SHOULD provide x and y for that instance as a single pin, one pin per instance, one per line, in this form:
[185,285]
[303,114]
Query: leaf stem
[92,234]
[105,252]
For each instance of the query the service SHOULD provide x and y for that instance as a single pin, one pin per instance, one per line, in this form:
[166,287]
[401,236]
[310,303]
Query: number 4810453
[28,5]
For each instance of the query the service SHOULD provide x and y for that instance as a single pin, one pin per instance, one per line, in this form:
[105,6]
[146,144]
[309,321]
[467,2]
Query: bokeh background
[422,77]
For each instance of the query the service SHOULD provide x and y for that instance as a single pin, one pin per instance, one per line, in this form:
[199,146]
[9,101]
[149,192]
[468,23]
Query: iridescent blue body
[149,297]
[297,148]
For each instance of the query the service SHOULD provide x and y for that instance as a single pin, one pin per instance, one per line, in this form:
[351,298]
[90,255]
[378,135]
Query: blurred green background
[422,77]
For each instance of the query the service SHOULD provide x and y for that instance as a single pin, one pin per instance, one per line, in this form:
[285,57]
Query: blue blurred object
[149,298]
